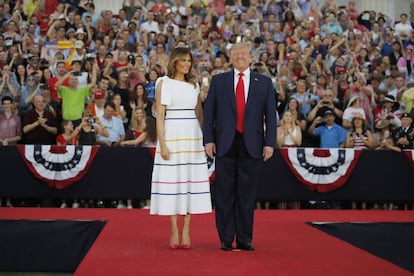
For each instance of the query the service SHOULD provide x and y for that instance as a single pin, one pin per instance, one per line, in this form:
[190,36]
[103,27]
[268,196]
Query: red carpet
[135,243]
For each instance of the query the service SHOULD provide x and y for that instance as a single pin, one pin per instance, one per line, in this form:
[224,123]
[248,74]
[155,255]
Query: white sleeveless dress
[180,185]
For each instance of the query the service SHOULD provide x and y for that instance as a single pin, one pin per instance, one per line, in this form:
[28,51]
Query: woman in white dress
[180,183]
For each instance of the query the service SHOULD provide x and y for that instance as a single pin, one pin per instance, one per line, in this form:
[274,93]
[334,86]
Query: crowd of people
[342,77]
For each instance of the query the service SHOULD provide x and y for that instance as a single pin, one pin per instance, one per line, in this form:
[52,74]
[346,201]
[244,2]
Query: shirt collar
[245,72]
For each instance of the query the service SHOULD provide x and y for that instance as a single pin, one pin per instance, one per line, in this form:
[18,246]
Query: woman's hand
[165,153]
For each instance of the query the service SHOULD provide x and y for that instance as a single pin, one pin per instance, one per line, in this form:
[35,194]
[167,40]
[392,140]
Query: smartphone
[205,81]
[238,39]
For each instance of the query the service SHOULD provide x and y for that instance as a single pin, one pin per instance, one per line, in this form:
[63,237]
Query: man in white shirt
[403,28]
[150,25]
[114,126]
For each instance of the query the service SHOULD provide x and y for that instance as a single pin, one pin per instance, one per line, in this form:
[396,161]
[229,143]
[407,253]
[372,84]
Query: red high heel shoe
[186,246]
[175,246]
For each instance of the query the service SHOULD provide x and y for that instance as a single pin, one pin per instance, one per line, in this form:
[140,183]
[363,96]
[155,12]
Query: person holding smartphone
[74,96]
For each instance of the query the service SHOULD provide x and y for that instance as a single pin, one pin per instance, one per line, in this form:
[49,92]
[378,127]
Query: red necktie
[240,103]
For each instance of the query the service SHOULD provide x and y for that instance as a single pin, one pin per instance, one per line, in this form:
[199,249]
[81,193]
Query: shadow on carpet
[46,245]
[391,241]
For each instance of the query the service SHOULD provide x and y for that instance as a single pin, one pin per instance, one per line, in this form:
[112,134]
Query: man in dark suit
[240,131]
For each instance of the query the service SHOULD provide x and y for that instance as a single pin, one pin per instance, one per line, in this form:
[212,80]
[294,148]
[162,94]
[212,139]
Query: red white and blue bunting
[322,170]
[58,166]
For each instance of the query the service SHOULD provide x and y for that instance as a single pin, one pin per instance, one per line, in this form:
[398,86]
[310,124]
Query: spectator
[359,137]
[27,93]
[10,124]
[404,135]
[69,136]
[288,133]
[6,86]
[353,109]
[293,108]
[97,105]
[388,113]
[305,98]
[139,98]
[120,110]
[403,28]
[113,125]
[405,63]
[408,99]
[331,134]
[74,97]
[39,124]
[60,73]
[326,103]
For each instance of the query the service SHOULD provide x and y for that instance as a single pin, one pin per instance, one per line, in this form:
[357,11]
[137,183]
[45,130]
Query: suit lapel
[252,88]
[230,88]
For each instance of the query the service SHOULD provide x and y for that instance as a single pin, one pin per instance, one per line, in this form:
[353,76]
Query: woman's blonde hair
[176,54]
[282,121]
[133,122]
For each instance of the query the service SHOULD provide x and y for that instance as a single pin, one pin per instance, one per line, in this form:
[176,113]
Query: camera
[91,120]
[77,73]
[131,59]
[325,102]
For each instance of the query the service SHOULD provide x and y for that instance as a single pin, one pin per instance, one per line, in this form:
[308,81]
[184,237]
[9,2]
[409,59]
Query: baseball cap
[99,94]
[79,44]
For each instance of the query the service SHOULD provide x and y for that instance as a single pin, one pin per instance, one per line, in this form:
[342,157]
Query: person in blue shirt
[331,134]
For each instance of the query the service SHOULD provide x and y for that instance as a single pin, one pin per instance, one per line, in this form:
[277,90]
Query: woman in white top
[353,109]
[288,133]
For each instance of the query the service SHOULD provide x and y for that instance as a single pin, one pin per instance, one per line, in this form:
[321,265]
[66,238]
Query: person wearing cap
[331,134]
[404,135]
[359,136]
[98,102]
[353,109]
[79,50]
[70,34]
[388,113]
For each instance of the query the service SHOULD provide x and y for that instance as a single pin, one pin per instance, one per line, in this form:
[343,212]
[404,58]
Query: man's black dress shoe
[226,246]
[245,246]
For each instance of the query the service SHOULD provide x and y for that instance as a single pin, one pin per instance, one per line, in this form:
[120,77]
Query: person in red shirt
[61,72]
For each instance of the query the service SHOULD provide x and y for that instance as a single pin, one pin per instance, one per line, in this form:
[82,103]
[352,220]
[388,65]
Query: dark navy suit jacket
[220,114]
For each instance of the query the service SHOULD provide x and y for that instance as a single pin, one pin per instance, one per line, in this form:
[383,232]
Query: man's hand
[211,149]
[267,152]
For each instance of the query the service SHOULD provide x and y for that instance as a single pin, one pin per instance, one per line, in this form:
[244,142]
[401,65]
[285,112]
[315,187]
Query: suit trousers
[234,193]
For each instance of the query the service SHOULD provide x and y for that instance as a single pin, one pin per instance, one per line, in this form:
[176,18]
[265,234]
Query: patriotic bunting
[58,166]
[322,170]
